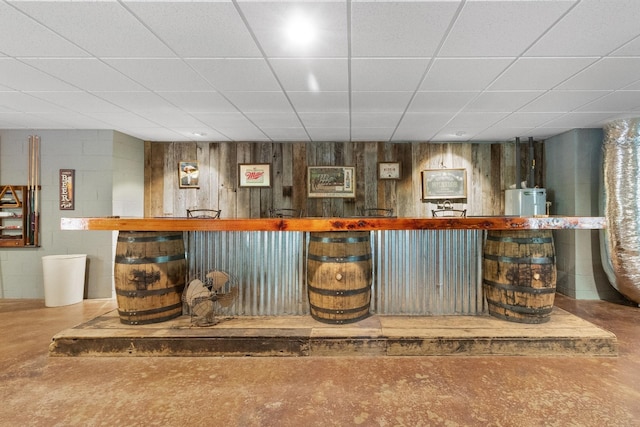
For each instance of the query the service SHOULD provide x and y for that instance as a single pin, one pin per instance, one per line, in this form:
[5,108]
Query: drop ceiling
[397,71]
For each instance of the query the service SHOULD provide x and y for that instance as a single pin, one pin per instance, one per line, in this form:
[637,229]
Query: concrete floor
[39,390]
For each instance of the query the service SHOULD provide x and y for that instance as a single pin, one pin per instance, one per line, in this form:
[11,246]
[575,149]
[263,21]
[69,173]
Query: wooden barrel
[519,275]
[149,275]
[339,276]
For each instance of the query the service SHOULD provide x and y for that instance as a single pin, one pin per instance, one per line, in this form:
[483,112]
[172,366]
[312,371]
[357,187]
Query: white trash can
[63,279]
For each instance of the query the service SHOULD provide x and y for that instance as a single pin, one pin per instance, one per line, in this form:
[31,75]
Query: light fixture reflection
[300,31]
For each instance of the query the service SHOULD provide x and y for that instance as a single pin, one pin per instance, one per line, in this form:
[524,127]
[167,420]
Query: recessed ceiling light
[300,31]
[199,134]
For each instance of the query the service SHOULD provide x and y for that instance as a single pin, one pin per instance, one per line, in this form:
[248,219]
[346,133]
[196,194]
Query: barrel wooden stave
[519,275]
[339,273]
[149,275]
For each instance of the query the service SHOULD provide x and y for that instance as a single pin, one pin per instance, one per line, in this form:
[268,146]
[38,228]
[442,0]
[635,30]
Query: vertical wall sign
[67,202]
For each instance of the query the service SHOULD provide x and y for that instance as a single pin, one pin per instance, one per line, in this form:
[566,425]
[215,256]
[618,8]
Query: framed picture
[254,175]
[189,174]
[389,170]
[331,181]
[67,186]
[444,184]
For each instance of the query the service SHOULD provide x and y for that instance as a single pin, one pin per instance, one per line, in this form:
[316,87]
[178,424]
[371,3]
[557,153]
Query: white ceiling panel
[374,74]
[22,36]
[102,28]
[375,31]
[593,27]
[501,28]
[197,29]
[269,22]
[464,74]
[330,102]
[236,74]
[312,75]
[433,102]
[86,73]
[449,70]
[541,73]
[606,74]
[379,102]
[160,74]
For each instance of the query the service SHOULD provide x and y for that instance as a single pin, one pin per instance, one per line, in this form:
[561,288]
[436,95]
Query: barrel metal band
[339,239]
[528,290]
[333,292]
[161,238]
[340,311]
[134,321]
[349,258]
[121,259]
[520,309]
[520,260]
[520,239]
[134,293]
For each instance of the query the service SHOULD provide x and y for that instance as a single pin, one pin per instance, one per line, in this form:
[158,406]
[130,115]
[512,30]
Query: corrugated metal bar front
[416,272]
[268,267]
[427,272]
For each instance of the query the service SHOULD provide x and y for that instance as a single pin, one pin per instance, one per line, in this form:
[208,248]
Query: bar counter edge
[333,224]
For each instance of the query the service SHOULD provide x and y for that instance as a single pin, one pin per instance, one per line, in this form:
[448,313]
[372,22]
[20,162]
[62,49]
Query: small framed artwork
[67,186]
[389,170]
[254,175]
[331,181]
[444,184]
[189,174]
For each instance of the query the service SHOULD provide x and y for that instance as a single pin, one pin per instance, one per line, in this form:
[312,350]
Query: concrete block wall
[91,154]
[573,168]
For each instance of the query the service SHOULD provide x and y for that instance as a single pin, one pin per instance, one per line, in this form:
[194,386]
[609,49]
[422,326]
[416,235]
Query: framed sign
[189,174]
[67,187]
[331,181]
[254,175]
[444,184]
[389,170]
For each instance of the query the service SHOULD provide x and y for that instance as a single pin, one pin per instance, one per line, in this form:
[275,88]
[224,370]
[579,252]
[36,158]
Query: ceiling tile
[594,27]
[580,120]
[201,101]
[160,74]
[614,102]
[23,102]
[287,134]
[375,120]
[269,20]
[19,76]
[606,74]
[539,73]
[371,134]
[316,120]
[309,102]
[137,101]
[78,101]
[526,120]
[103,28]
[312,75]
[236,74]
[373,74]
[21,36]
[198,29]
[500,28]
[274,120]
[433,102]
[86,73]
[501,101]
[329,134]
[378,102]
[475,120]
[388,29]
[463,74]
[252,102]
[562,100]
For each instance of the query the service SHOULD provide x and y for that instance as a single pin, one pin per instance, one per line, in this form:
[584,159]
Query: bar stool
[285,213]
[203,213]
[445,209]
[378,212]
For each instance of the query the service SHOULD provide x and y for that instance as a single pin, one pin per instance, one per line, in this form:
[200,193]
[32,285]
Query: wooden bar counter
[334,224]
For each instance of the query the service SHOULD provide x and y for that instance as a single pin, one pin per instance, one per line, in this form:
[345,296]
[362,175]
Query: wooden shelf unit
[14,217]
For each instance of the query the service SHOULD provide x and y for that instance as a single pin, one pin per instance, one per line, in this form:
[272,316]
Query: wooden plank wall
[490,170]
